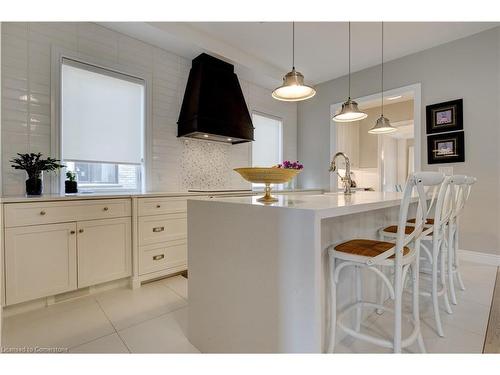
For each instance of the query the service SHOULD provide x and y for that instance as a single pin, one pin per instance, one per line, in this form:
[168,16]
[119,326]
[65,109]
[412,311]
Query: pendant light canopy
[350,111]
[293,88]
[382,126]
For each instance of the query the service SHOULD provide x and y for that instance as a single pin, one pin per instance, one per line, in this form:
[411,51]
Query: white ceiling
[263,49]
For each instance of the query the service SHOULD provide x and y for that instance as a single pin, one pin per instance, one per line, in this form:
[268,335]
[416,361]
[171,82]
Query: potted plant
[35,165]
[70,185]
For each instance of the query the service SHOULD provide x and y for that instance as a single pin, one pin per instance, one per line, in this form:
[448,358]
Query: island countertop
[324,205]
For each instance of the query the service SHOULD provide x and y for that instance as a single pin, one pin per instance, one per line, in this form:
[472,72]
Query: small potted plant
[35,165]
[70,185]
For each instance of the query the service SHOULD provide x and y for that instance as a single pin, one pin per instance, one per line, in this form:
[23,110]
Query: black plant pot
[70,187]
[34,186]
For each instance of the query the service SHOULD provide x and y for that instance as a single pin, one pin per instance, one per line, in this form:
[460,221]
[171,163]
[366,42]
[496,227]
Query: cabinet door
[104,250]
[39,261]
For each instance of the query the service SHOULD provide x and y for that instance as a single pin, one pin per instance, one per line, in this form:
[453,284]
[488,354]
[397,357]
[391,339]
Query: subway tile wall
[177,164]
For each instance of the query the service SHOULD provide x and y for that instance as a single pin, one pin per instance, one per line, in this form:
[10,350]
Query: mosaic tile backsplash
[205,165]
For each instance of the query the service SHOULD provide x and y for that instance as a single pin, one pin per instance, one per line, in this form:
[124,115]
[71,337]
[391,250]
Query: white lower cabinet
[56,247]
[104,250]
[39,261]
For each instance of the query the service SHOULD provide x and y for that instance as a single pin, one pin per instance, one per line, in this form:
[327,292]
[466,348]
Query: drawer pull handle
[158,229]
[159,257]
[105,208]
[158,206]
[42,213]
[80,231]
[72,232]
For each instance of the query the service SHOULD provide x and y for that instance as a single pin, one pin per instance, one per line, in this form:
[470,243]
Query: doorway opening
[380,162]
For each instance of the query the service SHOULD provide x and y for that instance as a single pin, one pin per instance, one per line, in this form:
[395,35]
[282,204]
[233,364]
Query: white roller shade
[266,149]
[102,115]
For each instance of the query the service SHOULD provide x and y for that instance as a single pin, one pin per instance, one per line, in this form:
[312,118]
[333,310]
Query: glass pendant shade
[293,88]
[349,112]
[382,126]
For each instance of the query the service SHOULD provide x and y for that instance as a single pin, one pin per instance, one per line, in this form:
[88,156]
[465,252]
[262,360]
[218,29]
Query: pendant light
[350,111]
[382,126]
[293,88]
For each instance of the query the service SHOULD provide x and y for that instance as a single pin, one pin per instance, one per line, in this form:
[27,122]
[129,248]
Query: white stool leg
[359,298]
[442,274]
[416,305]
[456,261]
[398,296]
[451,282]
[382,293]
[333,306]
[434,292]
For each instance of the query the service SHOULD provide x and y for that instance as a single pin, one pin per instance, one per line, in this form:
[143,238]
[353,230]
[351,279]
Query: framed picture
[444,117]
[446,148]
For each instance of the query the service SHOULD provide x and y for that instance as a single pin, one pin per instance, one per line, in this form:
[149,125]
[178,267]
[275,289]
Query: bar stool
[370,254]
[432,246]
[462,186]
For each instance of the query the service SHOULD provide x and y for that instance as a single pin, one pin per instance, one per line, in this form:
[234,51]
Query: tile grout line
[112,325]
[147,320]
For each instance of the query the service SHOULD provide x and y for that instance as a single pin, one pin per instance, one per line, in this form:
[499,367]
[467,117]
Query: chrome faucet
[346,180]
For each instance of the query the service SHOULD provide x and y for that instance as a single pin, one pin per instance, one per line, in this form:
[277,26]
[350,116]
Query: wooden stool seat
[367,248]
[408,229]
[428,221]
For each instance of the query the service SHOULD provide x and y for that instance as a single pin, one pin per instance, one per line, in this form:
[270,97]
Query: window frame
[101,66]
[273,117]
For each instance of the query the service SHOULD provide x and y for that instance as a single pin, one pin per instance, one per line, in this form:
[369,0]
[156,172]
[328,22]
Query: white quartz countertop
[325,205]
[166,194]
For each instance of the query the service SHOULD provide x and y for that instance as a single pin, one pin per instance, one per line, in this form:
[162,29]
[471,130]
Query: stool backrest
[417,182]
[444,205]
[461,189]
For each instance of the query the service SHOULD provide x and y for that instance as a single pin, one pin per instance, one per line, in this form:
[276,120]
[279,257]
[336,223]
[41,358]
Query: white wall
[467,68]
[175,166]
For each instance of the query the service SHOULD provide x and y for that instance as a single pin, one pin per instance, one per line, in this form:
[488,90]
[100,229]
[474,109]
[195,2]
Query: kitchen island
[257,272]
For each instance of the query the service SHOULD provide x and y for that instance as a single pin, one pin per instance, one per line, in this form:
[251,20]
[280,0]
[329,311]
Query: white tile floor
[153,319]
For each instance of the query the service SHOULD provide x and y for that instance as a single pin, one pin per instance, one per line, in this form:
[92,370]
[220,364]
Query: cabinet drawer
[154,258]
[161,228]
[21,214]
[160,206]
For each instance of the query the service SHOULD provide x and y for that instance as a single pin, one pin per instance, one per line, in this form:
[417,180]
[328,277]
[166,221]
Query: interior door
[104,250]
[39,261]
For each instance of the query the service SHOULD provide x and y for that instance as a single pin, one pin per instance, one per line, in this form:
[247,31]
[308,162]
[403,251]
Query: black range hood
[213,107]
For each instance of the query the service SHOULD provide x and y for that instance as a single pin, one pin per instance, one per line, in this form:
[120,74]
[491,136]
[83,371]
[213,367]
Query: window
[267,147]
[102,127]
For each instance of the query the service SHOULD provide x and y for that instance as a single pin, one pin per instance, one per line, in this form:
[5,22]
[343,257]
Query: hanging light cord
[382,83]
[293,45]
[349,96]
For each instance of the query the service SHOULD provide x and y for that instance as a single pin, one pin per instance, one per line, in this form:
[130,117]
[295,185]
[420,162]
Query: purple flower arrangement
[290,165]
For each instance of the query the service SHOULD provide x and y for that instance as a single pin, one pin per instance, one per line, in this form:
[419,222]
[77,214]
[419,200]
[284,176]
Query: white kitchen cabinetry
[104,251]
[161,237]
[40,261]
[56,247]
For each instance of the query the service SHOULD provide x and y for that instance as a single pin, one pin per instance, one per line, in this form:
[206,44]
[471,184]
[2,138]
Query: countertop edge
[167,194]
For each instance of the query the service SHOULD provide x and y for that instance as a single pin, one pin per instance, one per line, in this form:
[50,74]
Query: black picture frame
[444,117]
[446,148]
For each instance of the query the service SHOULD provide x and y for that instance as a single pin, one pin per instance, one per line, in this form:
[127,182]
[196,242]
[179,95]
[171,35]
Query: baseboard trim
[478,257]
